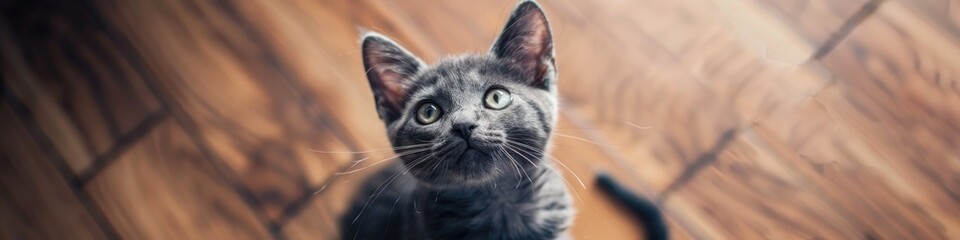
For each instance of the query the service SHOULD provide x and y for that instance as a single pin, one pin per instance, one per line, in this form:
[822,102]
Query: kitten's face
[469,120]
[477,120]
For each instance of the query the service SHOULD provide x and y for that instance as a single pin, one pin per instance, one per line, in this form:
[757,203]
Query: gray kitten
[471,133]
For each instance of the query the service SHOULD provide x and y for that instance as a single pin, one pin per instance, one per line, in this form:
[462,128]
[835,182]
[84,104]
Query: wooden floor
[745,119]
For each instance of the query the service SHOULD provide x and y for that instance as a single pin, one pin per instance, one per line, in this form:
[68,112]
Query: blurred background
[227,119]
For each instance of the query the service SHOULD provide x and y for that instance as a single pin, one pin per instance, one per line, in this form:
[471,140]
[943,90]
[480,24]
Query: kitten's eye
[428,113]
[497,99]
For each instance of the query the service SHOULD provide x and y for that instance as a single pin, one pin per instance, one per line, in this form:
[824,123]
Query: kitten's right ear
[527,43]
[389,68]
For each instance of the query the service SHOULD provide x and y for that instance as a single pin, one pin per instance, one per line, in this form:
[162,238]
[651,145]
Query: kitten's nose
[463,130]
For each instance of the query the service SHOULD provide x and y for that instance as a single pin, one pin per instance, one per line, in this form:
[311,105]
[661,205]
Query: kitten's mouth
[470,154]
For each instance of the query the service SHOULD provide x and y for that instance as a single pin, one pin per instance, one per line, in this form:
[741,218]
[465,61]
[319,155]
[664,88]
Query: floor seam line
[224,173]
[43,142]
[847,28]
[122,144]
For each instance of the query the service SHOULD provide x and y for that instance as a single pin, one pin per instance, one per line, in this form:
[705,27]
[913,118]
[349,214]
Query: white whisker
[515,165]
[524,157]
[571,172]
[554,158]
[371,151]
[584,140]
[383,187]
[638,126]
[378,162]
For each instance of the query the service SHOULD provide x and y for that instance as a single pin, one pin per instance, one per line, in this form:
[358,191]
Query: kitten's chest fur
[538,207]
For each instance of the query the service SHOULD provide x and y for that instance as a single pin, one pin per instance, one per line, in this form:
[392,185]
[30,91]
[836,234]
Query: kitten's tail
[646,211]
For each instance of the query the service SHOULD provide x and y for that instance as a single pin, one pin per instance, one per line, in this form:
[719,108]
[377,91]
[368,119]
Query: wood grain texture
[748,119]
[848,161]
[944,14]
[68,73]
[238,93]
[750,194]
[598,216]
[36,202]
[164,188]
[814,179]
[817,21]
[915,127]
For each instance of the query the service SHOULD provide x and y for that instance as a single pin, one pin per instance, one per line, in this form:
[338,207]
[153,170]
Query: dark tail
[646,211]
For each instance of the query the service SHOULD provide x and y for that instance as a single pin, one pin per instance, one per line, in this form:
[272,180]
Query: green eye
[428,113]
[497,99]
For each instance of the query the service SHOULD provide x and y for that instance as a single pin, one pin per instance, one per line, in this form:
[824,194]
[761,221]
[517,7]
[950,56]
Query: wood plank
[944,14]
[165,188]
[314,222]
[871,156]
[738,51]
[86,96]
[909,79]
[598,216]
[761,188]
[644,103]
[237,94]
[328,65]
[36,202]
[687,73]
[902,96]
[751,194]
[815,179]
[817,21]
[805,172]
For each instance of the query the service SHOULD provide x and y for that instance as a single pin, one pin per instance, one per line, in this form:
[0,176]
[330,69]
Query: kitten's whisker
[530,148]
[433,155]
[638,126]
[571,172]
[370,198]
[318,191]
[371,151]
[381,161]
[515,165]
[515,160]
[573,189]
[516,150]
[524,145]
[557,160]
[357,162]
[383,187]
[584,140]
[391,213]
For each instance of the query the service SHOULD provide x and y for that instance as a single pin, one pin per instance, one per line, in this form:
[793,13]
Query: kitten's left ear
[526,42]
[390,69]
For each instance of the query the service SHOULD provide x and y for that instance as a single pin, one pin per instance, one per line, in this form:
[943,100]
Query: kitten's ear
[389,68]
[526,41]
